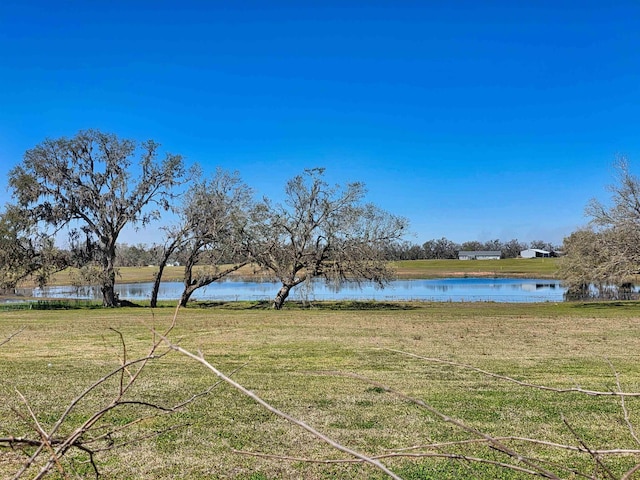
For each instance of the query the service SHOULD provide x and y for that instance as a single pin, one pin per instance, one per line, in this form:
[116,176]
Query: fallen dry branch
[623,406]
[595,454]
[611,393]
[364,458]
[561,446]
[596,458]
[494,442]
[451,456]
[10,337]
[48,448]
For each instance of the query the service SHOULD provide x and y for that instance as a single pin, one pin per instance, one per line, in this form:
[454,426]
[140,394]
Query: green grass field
[508,267]
[296,360]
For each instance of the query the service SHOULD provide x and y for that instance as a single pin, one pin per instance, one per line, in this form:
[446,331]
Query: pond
[441,290]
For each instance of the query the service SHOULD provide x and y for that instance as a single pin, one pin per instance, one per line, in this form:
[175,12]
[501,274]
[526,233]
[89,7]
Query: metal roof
[480,252]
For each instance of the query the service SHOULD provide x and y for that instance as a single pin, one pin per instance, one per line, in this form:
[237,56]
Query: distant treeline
[141,254]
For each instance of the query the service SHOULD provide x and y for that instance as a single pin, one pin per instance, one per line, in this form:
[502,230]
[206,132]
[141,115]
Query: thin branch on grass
[200,359]
[594,455]
[452,456]
[519,382]
[623,406]
[82,436]
[10,337]
[535,441]
[44,438]
[123,358]
[629,474]
[492,441]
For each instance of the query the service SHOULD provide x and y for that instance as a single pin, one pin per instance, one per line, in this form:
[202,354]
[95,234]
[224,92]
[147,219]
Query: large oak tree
[95,184]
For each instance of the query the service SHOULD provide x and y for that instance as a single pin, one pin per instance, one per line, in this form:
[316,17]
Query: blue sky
[475,120]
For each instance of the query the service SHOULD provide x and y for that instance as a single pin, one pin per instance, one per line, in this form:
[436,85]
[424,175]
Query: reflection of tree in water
[626,291]
[441,288]
[136,291]
[533,287]
[86,291]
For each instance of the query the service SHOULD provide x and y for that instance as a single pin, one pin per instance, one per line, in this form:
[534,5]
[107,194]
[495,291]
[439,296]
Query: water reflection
[444,289]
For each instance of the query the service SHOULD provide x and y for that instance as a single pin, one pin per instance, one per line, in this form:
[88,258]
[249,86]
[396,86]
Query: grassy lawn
[508,267]
[291,359]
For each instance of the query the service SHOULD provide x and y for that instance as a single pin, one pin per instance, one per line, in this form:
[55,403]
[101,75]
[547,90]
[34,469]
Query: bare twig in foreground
[623,406]
[51,446]
[492,441]
[536,441]
[8,339]
[200,358]
[595,456]
[452,456]
[519,382]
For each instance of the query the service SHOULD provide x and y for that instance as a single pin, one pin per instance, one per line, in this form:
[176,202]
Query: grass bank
[296,360]
[508,268]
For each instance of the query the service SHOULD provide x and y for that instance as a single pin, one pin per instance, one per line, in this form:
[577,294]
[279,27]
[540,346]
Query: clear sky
[474,119]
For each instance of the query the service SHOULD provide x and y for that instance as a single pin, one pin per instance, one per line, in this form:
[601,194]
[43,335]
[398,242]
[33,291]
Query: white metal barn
[479,255]
[534,253]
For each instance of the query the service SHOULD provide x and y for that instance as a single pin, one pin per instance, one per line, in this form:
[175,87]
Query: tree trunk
[109,298]
[156,286]
[108,290]
[168,251]
[281,296]
[186,295]
[189,283]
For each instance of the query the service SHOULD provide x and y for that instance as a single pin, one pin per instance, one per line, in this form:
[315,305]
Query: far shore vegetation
[405,269]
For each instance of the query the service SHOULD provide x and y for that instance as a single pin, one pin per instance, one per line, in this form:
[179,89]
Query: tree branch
[519,382]
[200,359]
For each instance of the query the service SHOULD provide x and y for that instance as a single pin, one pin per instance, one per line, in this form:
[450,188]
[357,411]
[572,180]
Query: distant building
[480,255]
[535,253]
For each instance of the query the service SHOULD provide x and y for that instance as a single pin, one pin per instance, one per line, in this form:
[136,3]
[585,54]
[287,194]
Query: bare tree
[512,248]
[211,232]
[472,245]
[216,212]
[323,232]
[625,200]
[440,249]
[605,259]
[175,236]
[139,255]
[607,252]
[90,184]
[542,245]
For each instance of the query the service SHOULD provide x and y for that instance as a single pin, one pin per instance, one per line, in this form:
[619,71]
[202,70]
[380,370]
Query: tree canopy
[25,251]
[90,184]
[606,253]
[322,231]
[211,231]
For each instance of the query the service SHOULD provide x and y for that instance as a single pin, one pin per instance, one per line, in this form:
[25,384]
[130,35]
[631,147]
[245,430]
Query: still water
[441,290]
